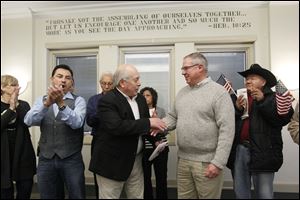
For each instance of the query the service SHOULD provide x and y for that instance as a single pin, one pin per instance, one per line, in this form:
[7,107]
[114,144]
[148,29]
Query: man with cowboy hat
[257,146]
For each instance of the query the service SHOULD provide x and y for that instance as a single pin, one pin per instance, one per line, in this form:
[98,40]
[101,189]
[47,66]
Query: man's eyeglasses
[104,83]
[185,68]
[13,85]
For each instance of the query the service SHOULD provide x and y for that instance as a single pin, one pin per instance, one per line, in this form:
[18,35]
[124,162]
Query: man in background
[106,84]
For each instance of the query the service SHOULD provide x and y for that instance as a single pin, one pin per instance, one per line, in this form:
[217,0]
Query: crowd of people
[128,126]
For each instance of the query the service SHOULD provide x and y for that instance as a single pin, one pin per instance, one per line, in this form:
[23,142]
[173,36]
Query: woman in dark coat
[18,162]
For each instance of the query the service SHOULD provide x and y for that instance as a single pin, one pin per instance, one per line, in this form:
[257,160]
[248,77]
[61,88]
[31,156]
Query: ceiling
[39,8]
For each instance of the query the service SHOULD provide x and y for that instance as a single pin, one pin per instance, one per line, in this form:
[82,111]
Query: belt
[246,143]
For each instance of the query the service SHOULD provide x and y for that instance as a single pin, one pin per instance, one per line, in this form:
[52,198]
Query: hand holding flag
[222,80]
[283,98]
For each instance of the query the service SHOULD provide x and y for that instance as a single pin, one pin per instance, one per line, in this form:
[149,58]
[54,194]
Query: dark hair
[153,93]
[62,66]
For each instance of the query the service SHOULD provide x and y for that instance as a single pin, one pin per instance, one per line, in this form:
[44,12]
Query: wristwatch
[61,108]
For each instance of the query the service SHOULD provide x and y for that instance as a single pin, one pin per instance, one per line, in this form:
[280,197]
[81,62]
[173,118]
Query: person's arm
[22,110]
[74,118]
[268,110]
[171,119]
[293,126]
[35,115]
[91,112]
[225,120]
[7,116]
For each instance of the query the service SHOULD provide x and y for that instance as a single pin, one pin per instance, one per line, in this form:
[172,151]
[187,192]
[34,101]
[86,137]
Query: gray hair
[123,72]
[106,74]
[198,58]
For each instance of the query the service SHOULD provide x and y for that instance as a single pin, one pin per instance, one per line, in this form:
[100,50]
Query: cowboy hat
[258,70]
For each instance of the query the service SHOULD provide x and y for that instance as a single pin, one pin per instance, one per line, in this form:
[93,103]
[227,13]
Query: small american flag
[283,98]
[222,80]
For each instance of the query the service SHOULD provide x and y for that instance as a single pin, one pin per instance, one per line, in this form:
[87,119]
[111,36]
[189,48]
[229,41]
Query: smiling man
[203,116]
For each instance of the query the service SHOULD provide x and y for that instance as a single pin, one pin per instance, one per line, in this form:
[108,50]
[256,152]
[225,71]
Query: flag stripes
[222,80]
[283,99]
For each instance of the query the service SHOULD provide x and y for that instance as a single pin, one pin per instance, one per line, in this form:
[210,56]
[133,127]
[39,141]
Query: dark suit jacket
[116,139]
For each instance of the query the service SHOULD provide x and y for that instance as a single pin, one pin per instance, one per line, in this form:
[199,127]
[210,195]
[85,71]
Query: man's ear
[264,82]
[122,83]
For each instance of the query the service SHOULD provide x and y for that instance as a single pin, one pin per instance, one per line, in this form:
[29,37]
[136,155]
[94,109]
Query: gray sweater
[203,116]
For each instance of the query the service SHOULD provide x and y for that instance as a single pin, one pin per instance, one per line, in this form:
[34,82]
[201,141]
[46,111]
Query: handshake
[157,125]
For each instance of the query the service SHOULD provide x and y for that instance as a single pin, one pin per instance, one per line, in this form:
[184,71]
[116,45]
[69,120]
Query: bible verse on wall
[146,22]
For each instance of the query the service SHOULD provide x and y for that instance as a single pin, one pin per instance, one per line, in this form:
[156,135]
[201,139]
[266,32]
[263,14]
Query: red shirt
[246,122]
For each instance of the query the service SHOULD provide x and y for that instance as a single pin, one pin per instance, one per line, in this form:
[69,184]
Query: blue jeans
[262,181]
[55,172]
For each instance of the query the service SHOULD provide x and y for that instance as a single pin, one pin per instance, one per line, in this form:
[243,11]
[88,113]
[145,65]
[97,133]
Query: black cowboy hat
[258,70]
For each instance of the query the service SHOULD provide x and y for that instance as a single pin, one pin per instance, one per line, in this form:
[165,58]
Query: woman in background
[160,163]
[18,161]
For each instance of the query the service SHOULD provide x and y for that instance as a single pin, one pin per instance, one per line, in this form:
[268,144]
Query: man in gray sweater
[203,116]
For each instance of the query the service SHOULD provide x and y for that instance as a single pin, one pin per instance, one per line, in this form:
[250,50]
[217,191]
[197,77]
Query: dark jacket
[264,134]
[24,161]
[116,139]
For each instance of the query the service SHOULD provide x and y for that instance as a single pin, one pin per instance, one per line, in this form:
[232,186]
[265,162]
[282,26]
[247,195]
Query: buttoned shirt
[73,118]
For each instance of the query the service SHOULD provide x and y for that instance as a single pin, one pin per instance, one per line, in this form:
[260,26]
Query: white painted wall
[284,59]
[274,31]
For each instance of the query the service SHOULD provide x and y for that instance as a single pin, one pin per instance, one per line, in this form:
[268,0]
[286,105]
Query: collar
[127,97]
[68,96]
[203,82]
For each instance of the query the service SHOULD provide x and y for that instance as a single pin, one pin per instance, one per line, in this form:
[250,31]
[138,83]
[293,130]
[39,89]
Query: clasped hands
[157,125]
[13,101]
[55,94]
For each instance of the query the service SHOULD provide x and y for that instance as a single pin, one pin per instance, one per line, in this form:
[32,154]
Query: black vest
[57,137]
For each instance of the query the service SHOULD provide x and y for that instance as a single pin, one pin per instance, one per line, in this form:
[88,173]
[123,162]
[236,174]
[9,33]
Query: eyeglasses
[13,85]
[185,68]
[104,83]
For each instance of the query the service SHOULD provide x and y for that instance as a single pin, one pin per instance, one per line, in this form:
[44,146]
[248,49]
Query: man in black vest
[117,153]
[60,115]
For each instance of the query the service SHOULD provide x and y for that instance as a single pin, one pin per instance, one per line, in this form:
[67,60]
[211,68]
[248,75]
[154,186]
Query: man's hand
[55,95]
[212,171]
[257,94]
[241,102]
[157,125]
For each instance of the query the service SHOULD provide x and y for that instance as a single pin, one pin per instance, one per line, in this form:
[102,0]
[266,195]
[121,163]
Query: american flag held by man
[283,98]
[222,80]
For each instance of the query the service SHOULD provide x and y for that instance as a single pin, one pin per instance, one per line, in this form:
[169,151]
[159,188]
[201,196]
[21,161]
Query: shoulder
[111,97]
[216,86]
[159,109]
[78,99]
[24,103]
[94,98]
